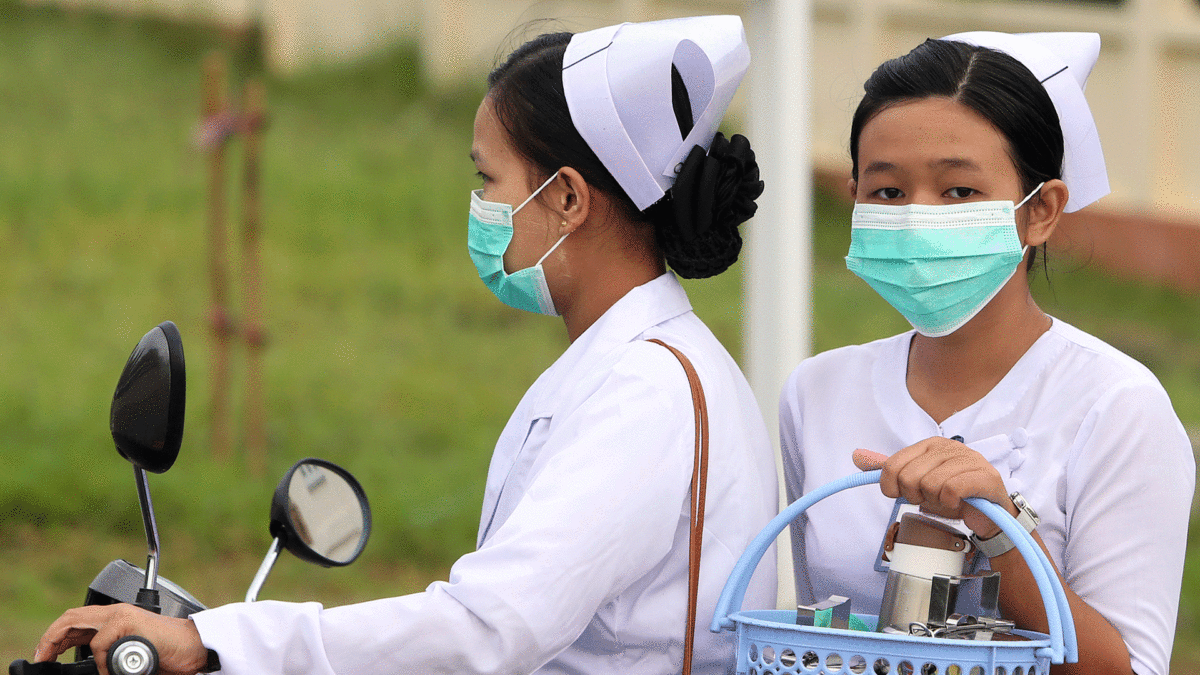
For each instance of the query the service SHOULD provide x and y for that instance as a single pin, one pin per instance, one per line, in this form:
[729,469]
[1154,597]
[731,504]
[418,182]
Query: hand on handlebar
[178,643]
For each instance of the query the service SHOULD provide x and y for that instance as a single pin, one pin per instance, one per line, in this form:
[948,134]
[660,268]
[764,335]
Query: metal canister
[924,557]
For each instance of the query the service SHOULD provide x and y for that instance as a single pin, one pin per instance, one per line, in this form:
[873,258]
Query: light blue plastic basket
[770,642]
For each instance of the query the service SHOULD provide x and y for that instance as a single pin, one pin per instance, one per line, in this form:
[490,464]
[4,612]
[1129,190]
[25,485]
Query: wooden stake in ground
[254,331]
[218,126]
[212,139]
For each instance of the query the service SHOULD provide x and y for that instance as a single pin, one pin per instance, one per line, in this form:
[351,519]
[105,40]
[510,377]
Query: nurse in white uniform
[965,153]
[598,160]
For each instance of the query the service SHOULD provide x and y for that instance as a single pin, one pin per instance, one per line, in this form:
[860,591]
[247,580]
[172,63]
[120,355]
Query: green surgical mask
[937,264]
[489,231]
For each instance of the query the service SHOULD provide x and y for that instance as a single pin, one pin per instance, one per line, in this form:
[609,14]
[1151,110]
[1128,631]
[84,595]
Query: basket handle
[1063,646]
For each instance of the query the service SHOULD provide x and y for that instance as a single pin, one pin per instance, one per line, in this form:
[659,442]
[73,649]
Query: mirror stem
[260,577]
[151,530]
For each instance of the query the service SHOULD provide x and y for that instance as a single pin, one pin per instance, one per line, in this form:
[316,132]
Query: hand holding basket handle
[1062,646]
[939,474]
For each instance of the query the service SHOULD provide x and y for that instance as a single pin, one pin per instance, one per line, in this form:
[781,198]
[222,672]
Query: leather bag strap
[699,488]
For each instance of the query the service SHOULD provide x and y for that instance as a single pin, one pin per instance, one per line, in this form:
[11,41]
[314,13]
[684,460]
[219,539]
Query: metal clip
[967,627]
[919,629]
[946,592]
[943,595]
[806,614]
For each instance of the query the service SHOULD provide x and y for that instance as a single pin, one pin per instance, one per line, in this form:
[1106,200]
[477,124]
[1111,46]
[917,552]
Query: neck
[950,373]
[603,271]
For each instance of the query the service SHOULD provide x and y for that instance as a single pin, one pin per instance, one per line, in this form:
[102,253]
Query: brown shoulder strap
[699,487]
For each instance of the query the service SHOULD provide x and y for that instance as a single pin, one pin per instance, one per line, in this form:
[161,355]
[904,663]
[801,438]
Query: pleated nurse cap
[617,82]
[1062,63]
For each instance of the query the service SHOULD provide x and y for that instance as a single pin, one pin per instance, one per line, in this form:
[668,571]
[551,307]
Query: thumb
[868,460]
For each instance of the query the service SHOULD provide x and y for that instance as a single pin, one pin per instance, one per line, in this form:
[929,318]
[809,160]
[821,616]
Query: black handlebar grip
[132,655]
[23,667]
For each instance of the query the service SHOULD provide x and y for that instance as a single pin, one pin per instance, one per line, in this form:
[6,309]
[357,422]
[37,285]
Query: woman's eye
[889,193]
[960,192]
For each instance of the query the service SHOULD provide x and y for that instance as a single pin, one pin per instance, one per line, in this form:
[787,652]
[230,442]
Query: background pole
[778,281]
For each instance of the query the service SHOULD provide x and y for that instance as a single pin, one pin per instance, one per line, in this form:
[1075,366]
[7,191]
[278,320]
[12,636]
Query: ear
[572,199]
[1045,209]
[852,186]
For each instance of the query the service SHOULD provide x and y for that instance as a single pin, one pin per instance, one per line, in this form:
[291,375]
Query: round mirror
[146,418]
[320,513]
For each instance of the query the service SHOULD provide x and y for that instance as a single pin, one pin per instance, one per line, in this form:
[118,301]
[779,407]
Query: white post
[778,284]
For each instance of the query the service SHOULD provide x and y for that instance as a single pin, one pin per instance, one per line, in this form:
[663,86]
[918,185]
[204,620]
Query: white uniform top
[1084,432]
[582,562]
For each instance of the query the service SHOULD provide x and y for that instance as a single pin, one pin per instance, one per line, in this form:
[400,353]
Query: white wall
[304,32]
[1145,90]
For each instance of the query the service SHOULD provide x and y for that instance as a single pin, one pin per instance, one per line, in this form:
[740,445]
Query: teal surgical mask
[937,264]
[489,231]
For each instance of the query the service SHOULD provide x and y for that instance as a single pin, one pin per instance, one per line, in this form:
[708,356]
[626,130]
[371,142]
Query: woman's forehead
[490,143]
[935,133]
[484,130]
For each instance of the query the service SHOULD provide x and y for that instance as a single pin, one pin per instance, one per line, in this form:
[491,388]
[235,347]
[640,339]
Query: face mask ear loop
[543,187]
[560,240]
[1027,197]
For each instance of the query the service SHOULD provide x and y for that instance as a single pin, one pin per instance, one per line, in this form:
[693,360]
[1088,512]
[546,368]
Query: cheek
[523,249]
[510,254]
[494,192]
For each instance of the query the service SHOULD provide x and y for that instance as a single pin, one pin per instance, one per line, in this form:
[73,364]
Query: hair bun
[713,194]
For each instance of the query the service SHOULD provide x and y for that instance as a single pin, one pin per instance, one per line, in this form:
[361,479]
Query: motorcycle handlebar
[131,655]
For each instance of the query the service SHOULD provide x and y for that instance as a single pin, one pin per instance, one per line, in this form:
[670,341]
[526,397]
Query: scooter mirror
[320,513]
[146,418]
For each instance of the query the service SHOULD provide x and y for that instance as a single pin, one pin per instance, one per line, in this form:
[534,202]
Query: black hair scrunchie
[713,194]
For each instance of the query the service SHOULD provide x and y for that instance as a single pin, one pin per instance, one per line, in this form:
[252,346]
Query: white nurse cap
[1061,62]
[617,81]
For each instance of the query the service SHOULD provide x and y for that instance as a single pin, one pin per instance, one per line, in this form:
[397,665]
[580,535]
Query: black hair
[993,84]
[695,224]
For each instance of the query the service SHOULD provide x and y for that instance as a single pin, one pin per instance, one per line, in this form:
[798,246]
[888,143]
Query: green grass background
[386,354]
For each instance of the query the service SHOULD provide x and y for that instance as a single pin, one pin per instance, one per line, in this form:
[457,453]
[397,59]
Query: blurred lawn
[386,354]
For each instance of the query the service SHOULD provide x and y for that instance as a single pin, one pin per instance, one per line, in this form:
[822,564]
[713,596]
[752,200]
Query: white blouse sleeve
[1127,497]
[601,513]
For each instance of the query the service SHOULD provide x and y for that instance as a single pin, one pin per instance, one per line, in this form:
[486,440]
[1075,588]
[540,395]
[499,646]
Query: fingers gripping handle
[1058,612]
[131,655]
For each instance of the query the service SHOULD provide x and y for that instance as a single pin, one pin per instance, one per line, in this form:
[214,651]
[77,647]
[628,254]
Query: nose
[925,197]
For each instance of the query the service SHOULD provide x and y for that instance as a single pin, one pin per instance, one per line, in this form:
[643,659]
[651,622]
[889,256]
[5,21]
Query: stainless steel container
[925,557]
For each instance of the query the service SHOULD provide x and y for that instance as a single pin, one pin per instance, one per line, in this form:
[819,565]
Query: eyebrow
[941,164]
[879,167]
[954,163]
